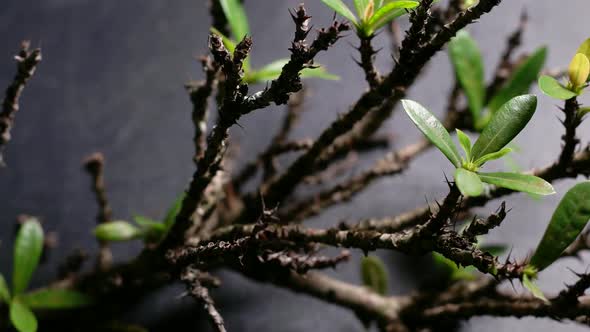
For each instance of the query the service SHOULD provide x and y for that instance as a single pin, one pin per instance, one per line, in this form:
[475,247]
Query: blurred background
[112,80]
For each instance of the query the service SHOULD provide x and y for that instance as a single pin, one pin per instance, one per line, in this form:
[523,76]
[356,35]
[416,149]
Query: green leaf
[236,17]
[518,182]
[341,8]
[579,70]
[465,143]
[533,288]
[492,156]
[115,231]
[146,222]
[552,88]
[173,211]
[22,317]
[4,291]
[360,6]
[520,81]
[318,72]
[227,42]
[27,252]
[585,48]
[468,182]
[469,69]
[374,274]
[505,124]
[433,130]
[454,272]
[272,71]
[153,231]
[55,299]
[389,12]
[568,220]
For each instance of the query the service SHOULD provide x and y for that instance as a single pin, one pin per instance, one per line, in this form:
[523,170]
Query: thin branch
[201,294]
[94,165]
[26,64]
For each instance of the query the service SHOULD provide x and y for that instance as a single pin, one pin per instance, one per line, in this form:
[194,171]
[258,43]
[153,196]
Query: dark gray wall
[111,81]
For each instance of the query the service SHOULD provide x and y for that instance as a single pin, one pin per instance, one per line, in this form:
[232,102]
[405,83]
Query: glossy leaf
[520,81]
[342,9]
[585,48]
[374,274]
[493,156]
[465,143]
[554,89]
[579,70]
[389,12]
[469,69]
[116,231]
[55,299]
[505,124]
[468,182]
[27,252]
[533,288]
[4,291]
[518,182]
[568,220]
[433,130]
[236,17]
[22,317]
[453,271]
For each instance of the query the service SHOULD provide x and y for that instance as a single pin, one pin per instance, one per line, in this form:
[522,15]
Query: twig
[201,294]
[94,165]
[26,64]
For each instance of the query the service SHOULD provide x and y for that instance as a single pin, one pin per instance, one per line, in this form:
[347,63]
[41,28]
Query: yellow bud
[579,70]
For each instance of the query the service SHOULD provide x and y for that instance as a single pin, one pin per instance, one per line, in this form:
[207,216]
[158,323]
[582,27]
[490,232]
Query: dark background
[112,80]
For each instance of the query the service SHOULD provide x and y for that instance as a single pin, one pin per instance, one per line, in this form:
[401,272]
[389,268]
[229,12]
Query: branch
[26,64]
[94,165]
[201,294]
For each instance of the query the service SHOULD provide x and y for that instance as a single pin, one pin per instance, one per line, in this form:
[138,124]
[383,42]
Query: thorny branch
[26,64]
[227,229]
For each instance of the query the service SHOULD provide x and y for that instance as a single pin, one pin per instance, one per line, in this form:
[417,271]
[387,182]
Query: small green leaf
[518,182]
[360,6]
[341,8]
[568,220]
[533,288]
[27,252]
[552,88]
[433,130]
[236,17]
[55,299]
[469,69]
[22,317]
[374,274]
[492,156]
[468,182]
[146,222]
[579,70]
[318,72]
[505,124]
[4,291]
[585,48]
[521,79]
[173,211]
[454,272]
[115,231]
[227,42]
[272,71]
[389,12]
[465,143]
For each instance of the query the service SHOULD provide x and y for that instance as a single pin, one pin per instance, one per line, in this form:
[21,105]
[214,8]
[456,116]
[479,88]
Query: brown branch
[571,121]
[94,165]
[201,294]
[199,95]
[368,53]
[26,64]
